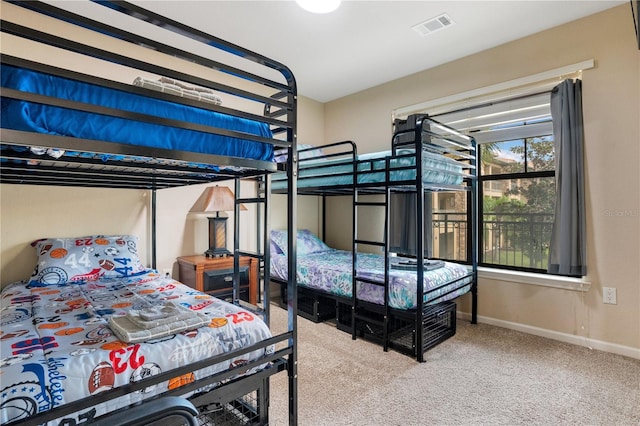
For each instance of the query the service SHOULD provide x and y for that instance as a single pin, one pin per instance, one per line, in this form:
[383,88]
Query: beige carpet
[484,375]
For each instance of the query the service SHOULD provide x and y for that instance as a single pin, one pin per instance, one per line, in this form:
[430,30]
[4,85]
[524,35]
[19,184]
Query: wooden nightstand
[214,275]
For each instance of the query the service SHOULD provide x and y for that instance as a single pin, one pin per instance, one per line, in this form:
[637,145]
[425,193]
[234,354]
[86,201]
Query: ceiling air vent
[430,26]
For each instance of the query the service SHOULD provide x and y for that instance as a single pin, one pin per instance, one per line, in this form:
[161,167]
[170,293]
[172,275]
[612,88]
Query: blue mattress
[33,117]
[436,169]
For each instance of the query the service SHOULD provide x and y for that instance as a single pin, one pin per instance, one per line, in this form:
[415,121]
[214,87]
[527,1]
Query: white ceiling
[367,43]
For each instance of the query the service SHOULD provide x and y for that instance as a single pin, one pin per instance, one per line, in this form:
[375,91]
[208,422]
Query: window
[516,196]
[516,179]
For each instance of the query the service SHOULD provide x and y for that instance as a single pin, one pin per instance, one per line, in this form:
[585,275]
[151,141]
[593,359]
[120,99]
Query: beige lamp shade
[215,199]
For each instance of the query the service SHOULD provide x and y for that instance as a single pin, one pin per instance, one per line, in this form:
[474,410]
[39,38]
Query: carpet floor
[484,375]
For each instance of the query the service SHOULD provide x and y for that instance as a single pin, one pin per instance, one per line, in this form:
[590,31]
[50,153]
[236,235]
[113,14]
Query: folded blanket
[154,316]
[412,264]
[183,90]
[161,321]
[183,85]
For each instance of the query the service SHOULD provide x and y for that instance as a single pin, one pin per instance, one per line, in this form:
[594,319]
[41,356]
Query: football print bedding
[57,347]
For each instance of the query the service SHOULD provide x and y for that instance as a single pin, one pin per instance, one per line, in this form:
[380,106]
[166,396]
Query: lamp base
[217,237]
[218,252]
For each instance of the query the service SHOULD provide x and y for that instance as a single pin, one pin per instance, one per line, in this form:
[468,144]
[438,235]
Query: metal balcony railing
[518,240]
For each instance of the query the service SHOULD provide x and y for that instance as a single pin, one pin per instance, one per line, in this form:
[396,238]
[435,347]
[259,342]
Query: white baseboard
[556,335]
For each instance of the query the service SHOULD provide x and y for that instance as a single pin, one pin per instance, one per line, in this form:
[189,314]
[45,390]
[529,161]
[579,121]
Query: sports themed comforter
[56,345]
[331,271]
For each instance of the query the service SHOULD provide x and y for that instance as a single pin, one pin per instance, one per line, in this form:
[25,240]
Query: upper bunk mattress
[41,118]
[436,169]
[57,345]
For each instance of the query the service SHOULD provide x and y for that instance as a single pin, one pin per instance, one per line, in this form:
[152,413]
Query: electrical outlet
[609,295]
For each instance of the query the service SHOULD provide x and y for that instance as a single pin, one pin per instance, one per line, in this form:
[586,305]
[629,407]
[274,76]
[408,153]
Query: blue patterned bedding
[330,271]
[34,117]
[56,346]
[436,169]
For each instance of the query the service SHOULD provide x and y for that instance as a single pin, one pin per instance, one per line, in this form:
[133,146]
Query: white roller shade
[513,133]
[502,120]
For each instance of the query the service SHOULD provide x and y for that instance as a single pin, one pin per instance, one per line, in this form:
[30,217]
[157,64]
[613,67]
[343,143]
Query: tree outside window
[517,185]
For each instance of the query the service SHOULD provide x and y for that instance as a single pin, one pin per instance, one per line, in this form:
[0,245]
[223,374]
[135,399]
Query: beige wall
[612,151]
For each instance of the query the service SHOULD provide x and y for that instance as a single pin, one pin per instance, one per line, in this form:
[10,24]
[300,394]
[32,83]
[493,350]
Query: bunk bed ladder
[366,319]
[261,201]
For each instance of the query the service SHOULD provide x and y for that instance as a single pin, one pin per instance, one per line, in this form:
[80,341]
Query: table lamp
[216,199]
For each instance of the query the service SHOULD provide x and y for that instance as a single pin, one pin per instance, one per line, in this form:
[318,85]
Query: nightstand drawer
[220,279]
[227,294]
[214,276]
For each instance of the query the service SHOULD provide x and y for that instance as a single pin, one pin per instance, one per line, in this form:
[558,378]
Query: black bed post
[236,241]
[354,249]
[473,222]
[153,228]
[266,277]
[292,226]
[266,253]
[324,218]
[259,243]
[419,325]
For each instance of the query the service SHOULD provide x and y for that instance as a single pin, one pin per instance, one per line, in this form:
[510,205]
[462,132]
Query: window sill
[555,281]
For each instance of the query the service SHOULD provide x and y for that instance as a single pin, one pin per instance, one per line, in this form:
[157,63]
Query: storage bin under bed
[311,305]
[241,411]
[439,324]
[232,405]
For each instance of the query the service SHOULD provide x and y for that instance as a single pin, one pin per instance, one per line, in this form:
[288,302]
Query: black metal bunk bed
[237,393]
[338,170]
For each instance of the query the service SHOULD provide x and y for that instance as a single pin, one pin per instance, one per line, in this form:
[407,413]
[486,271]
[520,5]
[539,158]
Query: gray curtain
[403,225]
[567,255]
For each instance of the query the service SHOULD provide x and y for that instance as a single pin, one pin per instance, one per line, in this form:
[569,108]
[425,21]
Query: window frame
[480,208]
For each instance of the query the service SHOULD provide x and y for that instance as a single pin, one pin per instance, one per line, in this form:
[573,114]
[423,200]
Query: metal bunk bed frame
[169,169]
[383,324]
[415,331]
